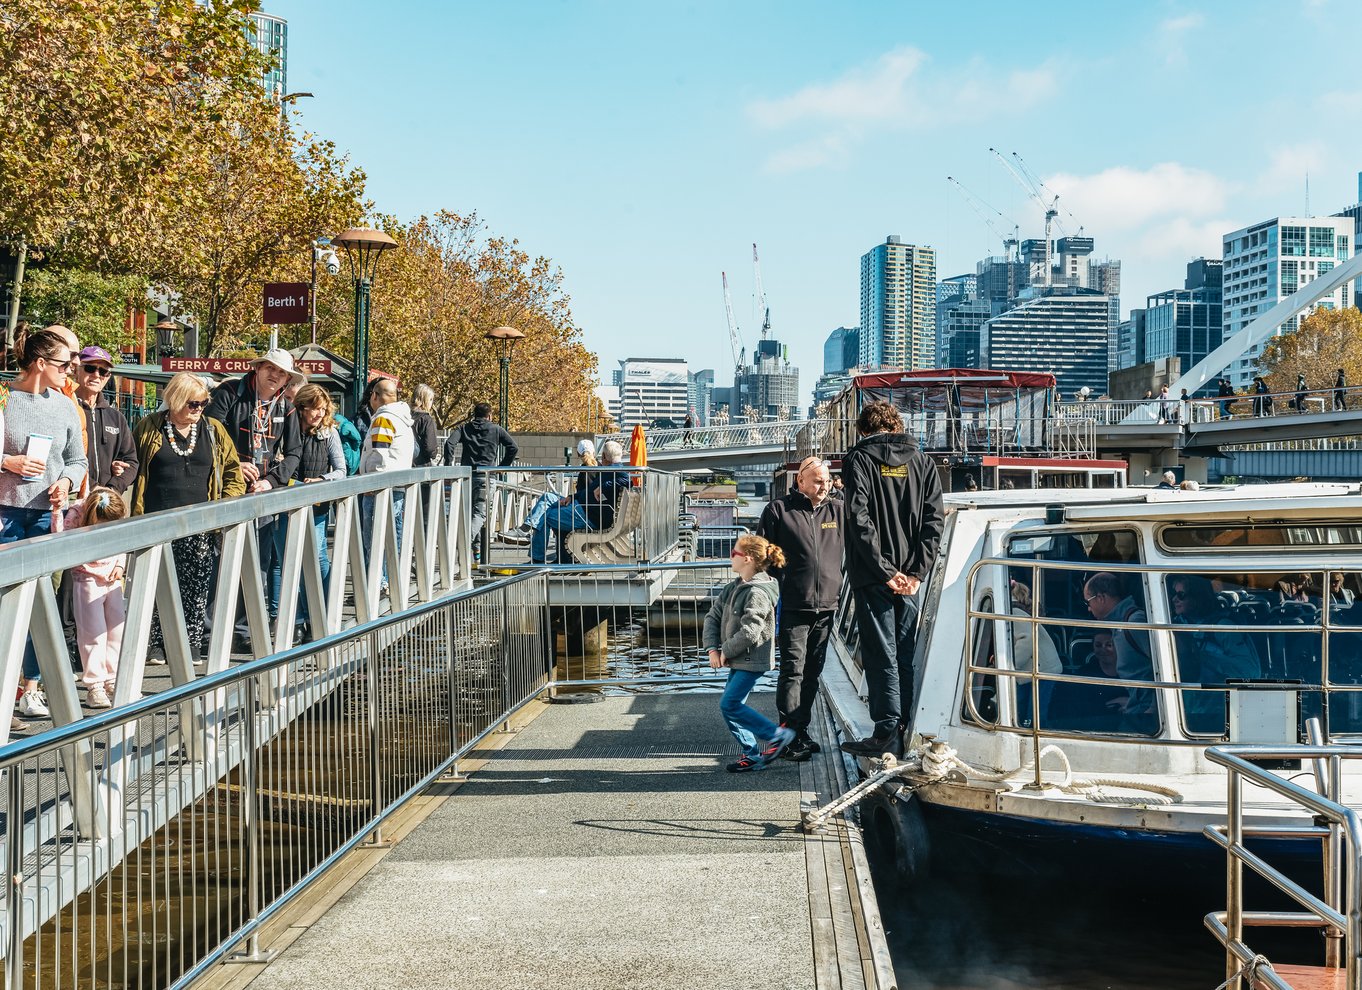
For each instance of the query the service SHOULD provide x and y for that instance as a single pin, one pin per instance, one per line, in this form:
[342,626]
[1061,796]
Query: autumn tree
[436,297]
[1326,340]
[110,108]
[94,306]
[262,201]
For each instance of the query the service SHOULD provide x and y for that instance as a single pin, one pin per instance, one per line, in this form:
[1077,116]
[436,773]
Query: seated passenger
[1022,656]
[1091,707]
[1207,656]
[520,535]
[1339,596]
[592,505]
[1107,601]
[1298,588]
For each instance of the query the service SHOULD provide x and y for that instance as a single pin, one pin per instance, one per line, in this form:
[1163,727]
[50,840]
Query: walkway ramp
[605,846]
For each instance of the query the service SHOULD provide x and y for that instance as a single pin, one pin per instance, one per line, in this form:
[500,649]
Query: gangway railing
[90,811]
[1338,913]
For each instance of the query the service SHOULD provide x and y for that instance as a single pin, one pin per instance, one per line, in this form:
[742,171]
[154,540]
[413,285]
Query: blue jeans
[21,524]
[886,623]
[540,509]
[561,519]
[366,518]
[750,727]
[323,558]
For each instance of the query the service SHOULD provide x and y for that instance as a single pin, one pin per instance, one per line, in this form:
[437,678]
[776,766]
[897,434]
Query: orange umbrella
[638,451]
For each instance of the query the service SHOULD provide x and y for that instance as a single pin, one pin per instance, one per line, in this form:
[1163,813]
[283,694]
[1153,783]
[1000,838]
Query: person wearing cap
[109,444]
[520,535]
[807,525]
[264,429]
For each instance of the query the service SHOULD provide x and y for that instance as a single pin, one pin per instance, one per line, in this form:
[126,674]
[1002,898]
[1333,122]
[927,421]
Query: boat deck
[602,845]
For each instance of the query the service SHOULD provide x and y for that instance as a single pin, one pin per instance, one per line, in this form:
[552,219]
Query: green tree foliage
[94,306]
[1326,340]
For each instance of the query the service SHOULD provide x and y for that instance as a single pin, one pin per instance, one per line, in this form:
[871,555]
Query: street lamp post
[503,341]
[363,247]
[165,337]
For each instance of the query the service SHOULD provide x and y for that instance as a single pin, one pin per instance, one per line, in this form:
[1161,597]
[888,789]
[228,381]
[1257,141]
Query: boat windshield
[1180,536]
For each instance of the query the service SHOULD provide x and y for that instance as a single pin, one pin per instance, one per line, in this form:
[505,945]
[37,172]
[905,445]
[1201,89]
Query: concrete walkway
[604,847]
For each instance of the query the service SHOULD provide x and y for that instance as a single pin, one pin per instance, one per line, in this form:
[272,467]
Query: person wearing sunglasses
[43,461]
[186,458]
[109,441]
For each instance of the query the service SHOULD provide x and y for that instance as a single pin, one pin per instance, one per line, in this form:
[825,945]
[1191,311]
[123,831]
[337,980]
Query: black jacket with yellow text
[811,538]
[894,517]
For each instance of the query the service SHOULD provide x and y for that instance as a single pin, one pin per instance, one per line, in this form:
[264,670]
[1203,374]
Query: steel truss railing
[1338,914]
[210,805]
[215,802]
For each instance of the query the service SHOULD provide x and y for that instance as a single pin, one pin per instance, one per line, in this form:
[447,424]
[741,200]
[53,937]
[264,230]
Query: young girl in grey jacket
[740,632]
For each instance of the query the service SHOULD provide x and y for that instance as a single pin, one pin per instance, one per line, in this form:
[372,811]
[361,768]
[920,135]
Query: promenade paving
[604,847]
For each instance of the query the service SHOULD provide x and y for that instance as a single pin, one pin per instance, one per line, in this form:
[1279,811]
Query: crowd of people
[71,459]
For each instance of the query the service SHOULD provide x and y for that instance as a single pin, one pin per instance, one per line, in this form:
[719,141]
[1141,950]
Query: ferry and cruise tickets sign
[234,366]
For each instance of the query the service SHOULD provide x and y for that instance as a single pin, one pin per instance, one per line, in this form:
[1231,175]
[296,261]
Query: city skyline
[645,152]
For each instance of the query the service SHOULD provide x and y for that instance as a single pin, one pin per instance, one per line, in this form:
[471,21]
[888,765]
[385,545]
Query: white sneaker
[96,697]
[33,705]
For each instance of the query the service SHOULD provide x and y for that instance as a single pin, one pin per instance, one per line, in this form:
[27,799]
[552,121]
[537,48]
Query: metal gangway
[82,798]
[1336,912]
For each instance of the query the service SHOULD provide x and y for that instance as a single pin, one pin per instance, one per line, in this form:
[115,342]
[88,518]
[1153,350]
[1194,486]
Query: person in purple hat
[109,442]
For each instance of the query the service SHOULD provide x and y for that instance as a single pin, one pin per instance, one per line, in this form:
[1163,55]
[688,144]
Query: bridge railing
[197,813]
[777,433]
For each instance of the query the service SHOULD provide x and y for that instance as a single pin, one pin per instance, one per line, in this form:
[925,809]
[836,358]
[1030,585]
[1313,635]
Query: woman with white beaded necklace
[189,458]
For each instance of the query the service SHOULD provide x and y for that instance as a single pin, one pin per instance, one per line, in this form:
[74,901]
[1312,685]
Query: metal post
[1333,871]
[14,863]
[375,760]
[312,295]
[1234,880]
[505,408]
[251,806]
[361,378]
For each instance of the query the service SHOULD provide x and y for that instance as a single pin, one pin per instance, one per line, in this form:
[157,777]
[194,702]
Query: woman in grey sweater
[740,633]
[43,460]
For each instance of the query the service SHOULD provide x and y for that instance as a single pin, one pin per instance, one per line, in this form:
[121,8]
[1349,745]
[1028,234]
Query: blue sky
[645,147]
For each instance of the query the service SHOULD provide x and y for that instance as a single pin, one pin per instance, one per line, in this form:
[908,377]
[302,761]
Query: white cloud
[1123,198]
[1172,37]
[896,91]
[1284,178]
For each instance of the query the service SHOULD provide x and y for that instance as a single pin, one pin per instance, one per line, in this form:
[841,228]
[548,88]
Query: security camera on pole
[324,253]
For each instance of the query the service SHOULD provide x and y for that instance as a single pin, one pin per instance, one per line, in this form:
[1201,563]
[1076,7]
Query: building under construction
[768,387]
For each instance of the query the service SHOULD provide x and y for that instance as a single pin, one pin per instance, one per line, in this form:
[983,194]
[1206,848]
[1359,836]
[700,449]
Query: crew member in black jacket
[485,444]
[893,528]
[807,525]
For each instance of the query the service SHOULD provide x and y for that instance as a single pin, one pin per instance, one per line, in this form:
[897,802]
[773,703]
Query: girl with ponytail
[740,633]
[97,598]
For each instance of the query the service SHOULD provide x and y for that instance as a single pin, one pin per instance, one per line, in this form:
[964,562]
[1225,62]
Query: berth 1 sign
[286,302]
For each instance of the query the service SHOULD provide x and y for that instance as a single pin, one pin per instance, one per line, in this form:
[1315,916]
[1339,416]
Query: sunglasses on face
[736,553]
[96,369]
[1178,596]
[197,404]
[66,365]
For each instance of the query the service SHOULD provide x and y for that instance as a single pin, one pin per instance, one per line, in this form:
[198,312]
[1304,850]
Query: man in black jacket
[485,444]
[894,522]
[109,443]
[263,425]
[807,525]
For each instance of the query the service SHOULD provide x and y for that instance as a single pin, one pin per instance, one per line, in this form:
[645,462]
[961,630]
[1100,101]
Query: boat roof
[1109,504]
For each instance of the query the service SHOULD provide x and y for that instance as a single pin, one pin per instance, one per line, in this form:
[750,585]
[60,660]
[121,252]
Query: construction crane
[1035,192]
[763,310]
[1044,190]
[739,354]
[982,209]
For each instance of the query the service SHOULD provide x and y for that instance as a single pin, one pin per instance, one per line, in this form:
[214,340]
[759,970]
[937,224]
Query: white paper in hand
[39,447]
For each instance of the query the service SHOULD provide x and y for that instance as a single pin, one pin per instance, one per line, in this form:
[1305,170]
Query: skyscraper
[1265,263]
[1064,331]
[769,386]
[841,350]
[653,389]
[1186,323]
[949,292]
[898,306]
[269,34]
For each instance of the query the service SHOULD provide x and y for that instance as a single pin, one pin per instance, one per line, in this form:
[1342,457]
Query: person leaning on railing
[43,460]
[187,458]
[321,458]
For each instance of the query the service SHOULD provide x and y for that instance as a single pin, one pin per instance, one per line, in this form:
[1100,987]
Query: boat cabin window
[981,701]
[1282,615]
[1177,536]
[1094,592]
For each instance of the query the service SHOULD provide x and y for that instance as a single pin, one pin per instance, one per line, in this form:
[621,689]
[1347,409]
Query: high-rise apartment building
[1186,323]
[269,34]
[950,292]
[652,389]
[842,350]
[964,321]
[898,306]
[1265,263]
[1064,331]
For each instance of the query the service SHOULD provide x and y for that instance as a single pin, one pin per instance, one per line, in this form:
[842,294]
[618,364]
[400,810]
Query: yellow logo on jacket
[829,525]
[889,471]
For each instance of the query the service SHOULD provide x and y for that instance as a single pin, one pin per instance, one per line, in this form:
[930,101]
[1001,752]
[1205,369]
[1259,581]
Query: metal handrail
[1339,913]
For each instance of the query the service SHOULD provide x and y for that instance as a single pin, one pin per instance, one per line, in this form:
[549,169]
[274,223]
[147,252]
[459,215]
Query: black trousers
[803,642]
[887,623]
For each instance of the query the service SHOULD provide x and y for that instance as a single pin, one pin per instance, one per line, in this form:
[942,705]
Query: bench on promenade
[614,544]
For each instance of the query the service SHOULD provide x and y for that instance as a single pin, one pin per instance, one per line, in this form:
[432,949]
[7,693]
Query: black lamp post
[503,342]
[363,247]
[165,337]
